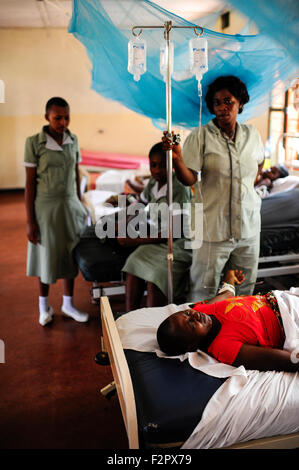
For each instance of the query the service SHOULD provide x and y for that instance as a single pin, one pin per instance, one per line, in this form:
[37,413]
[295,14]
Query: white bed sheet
[284,184]
[95,201]
[114,180]
[267,402]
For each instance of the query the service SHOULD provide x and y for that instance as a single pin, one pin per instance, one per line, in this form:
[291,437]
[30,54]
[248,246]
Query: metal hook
[198,34]
[136,34]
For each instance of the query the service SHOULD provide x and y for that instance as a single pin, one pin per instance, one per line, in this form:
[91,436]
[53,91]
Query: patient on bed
[239,331]
[275,179]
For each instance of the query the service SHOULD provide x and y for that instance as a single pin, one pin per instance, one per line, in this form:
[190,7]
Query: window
[225,20]
[284,125]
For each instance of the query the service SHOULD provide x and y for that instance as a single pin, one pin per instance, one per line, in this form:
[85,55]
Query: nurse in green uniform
[147,267]
[55,214]
[222,160]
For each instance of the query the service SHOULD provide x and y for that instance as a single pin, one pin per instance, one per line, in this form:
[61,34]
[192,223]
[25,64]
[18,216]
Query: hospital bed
[162,400]
[109,171]
[107,160]
[100,263]
[279,244]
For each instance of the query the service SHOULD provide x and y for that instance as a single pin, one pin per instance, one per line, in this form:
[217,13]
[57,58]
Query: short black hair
[283,171]
[231,83]
[157,149]
[56,101]
[170,342]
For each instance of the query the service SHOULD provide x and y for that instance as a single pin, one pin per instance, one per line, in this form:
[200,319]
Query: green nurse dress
[59,213]
[149,262]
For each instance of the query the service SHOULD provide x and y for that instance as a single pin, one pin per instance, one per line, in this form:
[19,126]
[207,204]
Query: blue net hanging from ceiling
[278,19]
[104,28]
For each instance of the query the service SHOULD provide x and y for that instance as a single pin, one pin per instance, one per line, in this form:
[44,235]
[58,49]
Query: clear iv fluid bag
[2,92]
[137,57]
[198,48]
[163,59]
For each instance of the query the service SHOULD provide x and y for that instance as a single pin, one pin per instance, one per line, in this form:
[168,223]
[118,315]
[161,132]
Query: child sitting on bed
[239,331]
[147,267]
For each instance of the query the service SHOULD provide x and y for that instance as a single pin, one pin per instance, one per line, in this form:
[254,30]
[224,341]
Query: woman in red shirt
[239,331]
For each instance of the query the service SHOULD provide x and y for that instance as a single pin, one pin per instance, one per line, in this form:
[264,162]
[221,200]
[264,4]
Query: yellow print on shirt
[232,305]
[258,303]
[243,312]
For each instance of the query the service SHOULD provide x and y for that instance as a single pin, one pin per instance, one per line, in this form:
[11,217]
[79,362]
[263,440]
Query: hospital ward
[149,193]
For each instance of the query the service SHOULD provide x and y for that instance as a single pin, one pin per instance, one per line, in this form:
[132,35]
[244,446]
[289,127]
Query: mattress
[100,261]
[178,387]
[228,405]
[279,235]
[280,223]
[112,160]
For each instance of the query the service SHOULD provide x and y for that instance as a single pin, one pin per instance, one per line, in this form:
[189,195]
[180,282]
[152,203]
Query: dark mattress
[102,262]
[280,223]
[170,397]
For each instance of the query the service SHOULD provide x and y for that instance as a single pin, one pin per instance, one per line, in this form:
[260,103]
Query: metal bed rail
[286,264]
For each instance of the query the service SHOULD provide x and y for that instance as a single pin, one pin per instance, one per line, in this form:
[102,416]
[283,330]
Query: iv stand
[167,28]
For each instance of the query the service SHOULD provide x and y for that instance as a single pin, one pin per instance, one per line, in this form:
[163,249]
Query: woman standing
[228,156]
[55,215]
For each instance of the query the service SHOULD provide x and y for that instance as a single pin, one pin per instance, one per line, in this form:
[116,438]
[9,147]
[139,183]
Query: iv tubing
[169,165]
[167,28]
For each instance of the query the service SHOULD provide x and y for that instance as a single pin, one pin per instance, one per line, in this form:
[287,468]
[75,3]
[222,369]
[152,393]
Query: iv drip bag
[2,92]
[198,48]
[163,60]
[137,57]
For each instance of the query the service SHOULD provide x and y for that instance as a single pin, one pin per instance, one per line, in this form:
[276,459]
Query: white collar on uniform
[51,143]
[158,193]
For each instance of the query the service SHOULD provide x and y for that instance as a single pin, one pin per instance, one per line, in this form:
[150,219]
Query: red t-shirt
[244,320]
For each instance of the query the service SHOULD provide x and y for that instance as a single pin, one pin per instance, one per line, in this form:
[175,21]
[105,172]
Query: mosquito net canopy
[262,61]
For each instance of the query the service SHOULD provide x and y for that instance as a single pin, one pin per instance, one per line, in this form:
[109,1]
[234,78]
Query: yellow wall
[237,22]
[37,64]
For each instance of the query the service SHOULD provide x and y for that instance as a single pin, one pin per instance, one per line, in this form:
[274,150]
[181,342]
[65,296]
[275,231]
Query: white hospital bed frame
[124,388]
[286,264]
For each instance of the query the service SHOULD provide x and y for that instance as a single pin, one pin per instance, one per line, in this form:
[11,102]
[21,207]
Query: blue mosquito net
[262,61]
[278,19]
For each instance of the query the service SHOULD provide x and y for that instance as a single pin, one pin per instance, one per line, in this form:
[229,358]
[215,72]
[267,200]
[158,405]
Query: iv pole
[167,28]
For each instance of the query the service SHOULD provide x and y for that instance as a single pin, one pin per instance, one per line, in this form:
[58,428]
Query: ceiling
[57,13]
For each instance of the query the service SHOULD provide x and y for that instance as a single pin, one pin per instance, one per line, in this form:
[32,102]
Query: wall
[236,24]
[36,64]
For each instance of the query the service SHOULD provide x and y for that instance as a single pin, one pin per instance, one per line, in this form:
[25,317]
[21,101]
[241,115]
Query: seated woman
[239,331]
[147,266]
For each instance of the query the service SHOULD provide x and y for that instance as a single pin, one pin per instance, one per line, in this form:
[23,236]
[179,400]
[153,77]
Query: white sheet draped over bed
[267,403]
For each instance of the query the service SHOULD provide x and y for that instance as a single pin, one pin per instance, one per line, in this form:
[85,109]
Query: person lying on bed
[267,177]
[275,179]
[239,331]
